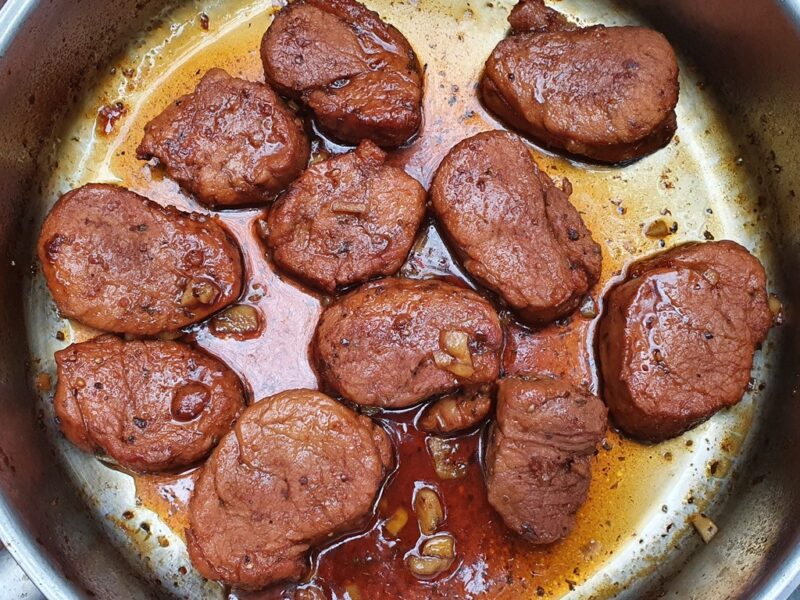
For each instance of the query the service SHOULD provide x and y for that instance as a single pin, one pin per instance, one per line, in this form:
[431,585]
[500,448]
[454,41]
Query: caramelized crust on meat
[230,142]
[538,463]
[513,229]
[605,93]
[396,342]
[346,220]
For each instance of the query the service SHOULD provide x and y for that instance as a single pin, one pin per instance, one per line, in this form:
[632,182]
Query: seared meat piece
[677,338]
[346,220]
[116,261]
[396,342]
[606,93]
[230,142]
[538,462]
[150,405]
[513,229]
[358,75]
[298,469]
[457,411]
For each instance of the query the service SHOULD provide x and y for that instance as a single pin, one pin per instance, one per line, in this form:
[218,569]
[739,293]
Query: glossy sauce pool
[640,496]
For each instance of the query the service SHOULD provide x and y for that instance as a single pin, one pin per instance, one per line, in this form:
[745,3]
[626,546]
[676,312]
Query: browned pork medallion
[230,142]
[606,93]
[538,462]
[346,220]
[677,338]
[298,469]
[513,229]
[116,261]
[357,74]
[396,342]
[150,405]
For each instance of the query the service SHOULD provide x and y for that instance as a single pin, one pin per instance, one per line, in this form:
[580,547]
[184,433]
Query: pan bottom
[636,522]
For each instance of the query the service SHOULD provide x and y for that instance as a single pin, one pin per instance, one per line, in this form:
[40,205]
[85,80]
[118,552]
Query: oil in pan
[636,521]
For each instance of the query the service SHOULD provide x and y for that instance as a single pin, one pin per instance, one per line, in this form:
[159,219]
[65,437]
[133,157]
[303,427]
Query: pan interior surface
[636,522]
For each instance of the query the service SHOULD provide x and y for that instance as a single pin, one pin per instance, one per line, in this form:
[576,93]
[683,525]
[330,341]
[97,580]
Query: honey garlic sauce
[452,39]
[168,496]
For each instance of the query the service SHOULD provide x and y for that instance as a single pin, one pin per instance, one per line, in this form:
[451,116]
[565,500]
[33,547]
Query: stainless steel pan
[738,121]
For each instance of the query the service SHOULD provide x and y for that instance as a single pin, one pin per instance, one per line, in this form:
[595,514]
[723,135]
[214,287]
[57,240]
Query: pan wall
[748,52]
[47,49]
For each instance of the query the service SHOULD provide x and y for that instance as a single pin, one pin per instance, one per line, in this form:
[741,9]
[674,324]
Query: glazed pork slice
[604,93]
[513,229]
[677,337]
[230,142]
[357,74]
[149,405]
[396,342]
[118,262]
[346,220]
[298,469]
[538,461]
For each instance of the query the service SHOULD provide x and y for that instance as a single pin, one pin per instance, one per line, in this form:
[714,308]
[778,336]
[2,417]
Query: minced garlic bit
[704,526]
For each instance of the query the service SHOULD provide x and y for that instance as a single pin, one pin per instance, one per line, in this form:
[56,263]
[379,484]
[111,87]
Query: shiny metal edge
[44,575]
[15,581]
[786,579]
[13,535]
[792,8]
[12,15]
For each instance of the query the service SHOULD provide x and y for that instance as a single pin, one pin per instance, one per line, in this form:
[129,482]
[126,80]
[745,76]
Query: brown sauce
[491,562]
[168,496]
